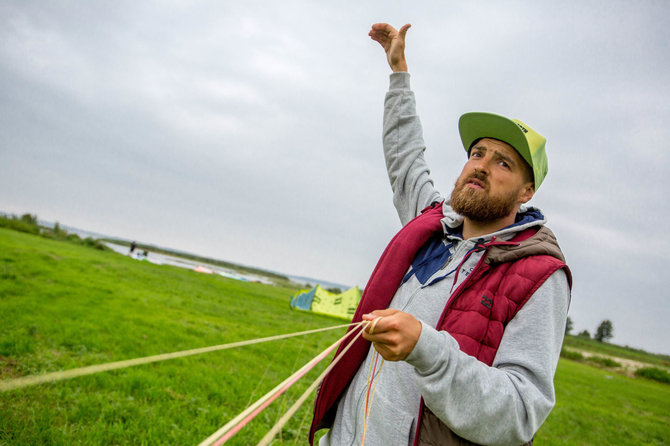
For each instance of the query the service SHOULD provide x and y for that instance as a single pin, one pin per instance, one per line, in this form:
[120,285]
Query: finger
[381,39]
[377,338]
[376,313]
[383,351]
[382,32]
[374,324]
[387,353]
[403,31]
[383,27]
[379,36]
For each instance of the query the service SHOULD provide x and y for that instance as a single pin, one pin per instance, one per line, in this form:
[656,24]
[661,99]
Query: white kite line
[33,380]
[236,424]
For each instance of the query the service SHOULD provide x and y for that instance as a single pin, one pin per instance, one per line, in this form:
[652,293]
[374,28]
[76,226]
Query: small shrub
[605,362]
[28,223]
[93,243]
[23,224]
[654,373]
[569,354]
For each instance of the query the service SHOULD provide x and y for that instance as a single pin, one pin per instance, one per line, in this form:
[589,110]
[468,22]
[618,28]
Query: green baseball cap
[526,141]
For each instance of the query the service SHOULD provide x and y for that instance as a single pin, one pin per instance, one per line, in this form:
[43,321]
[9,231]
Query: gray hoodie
[504,404]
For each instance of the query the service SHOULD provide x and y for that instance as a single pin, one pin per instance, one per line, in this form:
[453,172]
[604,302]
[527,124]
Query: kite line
[236,424]
[33,380]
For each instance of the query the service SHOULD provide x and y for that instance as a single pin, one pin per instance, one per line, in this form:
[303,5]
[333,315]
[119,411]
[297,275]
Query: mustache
[481,176]
[477,175]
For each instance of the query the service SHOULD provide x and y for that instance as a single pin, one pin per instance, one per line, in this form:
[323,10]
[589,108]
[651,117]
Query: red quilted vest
[475,315]
[478,311]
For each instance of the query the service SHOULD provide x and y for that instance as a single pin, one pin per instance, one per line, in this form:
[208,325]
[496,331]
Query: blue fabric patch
[435,253]
[303,300]
[430,258]
[531,215]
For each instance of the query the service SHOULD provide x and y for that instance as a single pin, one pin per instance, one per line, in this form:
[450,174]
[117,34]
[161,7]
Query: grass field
[603,348]
[64,305]
[597,407]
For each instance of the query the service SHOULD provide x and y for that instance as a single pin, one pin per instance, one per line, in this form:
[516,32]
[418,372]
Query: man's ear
[527,192]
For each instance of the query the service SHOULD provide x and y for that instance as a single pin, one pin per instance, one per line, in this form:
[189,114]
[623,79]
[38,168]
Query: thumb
[403,31]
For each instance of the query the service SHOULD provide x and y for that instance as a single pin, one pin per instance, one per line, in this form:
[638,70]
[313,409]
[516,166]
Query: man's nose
[481,170]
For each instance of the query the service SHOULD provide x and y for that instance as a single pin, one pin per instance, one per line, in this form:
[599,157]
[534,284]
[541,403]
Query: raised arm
[393,42]
[408,172]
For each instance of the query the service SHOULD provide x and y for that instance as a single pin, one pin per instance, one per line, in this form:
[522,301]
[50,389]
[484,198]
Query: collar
[527,217]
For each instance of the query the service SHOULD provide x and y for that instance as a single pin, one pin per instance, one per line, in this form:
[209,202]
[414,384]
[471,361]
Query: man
[470,298]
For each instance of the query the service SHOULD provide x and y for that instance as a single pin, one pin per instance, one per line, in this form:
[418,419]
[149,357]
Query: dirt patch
[628,366]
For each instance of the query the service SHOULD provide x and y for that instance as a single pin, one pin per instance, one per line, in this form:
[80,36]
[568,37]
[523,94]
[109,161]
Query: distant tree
[29,218]
[568,326]
[584,334]
[604,331]
[58,232]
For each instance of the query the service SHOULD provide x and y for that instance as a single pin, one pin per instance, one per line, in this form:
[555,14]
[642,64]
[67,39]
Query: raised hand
[393,42]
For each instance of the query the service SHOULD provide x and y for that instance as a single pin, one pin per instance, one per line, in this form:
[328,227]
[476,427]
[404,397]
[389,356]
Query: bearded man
[469,300]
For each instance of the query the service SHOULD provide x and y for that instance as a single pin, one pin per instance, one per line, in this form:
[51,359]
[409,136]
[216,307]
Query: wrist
[400,66]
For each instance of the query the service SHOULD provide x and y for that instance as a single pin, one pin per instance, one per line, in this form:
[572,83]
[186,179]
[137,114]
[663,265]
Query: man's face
[494,182]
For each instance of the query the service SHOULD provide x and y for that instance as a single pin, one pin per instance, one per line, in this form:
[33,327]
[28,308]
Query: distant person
[133,245]
[470,298]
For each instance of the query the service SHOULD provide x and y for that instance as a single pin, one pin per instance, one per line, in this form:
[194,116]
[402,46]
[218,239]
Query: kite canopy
[319,300]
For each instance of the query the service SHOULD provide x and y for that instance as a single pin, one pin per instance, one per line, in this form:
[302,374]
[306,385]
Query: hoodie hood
[543,242]
[527,217]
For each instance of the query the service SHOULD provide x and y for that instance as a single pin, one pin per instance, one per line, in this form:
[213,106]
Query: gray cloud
[252,131]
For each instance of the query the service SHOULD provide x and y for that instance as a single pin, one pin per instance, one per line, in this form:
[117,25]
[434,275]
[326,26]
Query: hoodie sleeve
[507,402]
[408,172]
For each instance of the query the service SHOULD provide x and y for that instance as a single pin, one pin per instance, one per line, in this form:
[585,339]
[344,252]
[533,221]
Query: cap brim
[478,125]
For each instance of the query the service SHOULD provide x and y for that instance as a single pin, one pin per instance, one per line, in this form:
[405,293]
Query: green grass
[28,223]
[597,407]
[605,348]
[654,373]
[64,305]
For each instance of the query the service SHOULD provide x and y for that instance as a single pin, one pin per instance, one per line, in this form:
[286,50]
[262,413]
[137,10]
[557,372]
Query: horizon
[227,129]
[323,283]
[78,231]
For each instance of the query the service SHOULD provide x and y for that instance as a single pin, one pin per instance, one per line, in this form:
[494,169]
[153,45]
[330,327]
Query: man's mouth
[475,183]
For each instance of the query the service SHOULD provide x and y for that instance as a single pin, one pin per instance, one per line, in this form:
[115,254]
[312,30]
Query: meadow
[66,305]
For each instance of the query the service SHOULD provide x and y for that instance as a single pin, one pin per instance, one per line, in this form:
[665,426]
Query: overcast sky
[251,131]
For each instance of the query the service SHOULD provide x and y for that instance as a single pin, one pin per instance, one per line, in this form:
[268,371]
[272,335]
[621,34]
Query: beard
[477,204]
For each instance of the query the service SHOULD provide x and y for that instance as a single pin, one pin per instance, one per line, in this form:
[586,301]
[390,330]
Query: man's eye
[504,164]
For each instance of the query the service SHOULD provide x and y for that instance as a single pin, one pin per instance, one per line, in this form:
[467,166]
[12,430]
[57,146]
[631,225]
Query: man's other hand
[394,335]
[393,42]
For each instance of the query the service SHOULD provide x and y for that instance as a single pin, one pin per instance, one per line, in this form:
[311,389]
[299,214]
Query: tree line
[603,333]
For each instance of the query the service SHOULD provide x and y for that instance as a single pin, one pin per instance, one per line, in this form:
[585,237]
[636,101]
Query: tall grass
[64,306]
